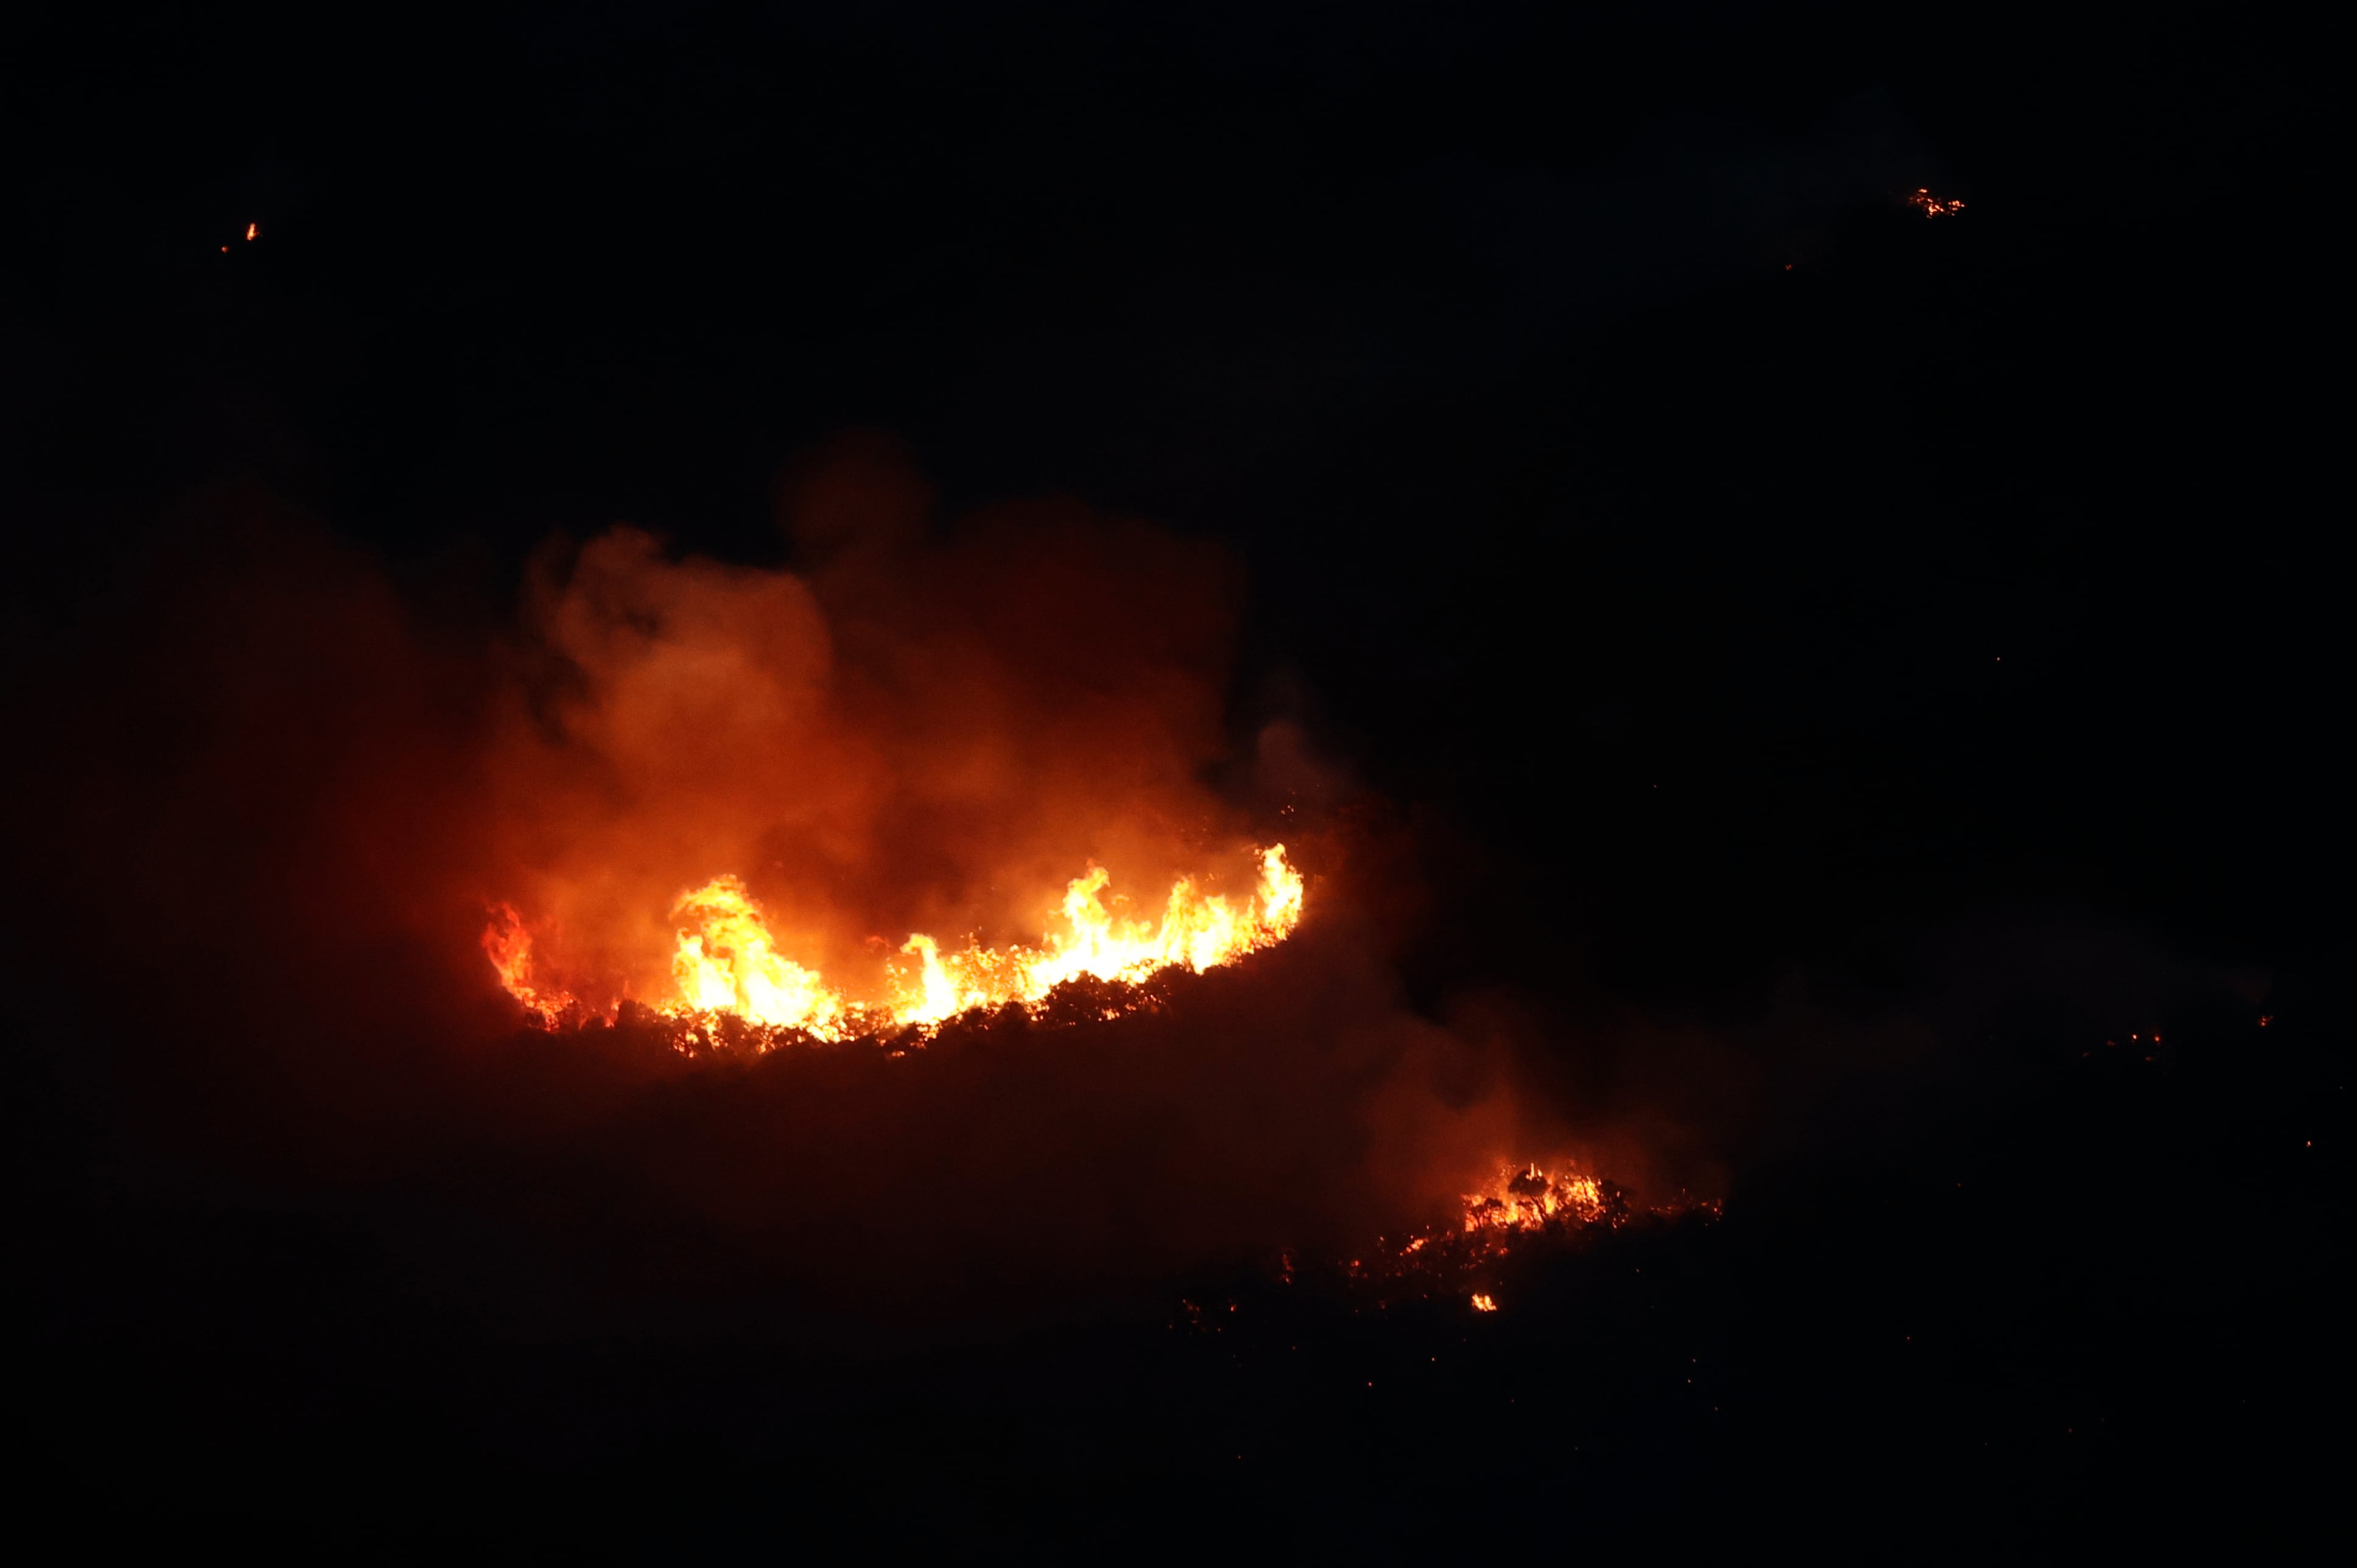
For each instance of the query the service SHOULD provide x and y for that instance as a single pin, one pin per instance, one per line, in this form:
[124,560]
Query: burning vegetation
[1524,1215]
[954,810]
[1525,1207]
[726,969]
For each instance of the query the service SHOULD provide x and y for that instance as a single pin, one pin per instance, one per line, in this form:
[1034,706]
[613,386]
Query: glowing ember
[1483,1302]
[726,965]
[253,231]
[1930,205]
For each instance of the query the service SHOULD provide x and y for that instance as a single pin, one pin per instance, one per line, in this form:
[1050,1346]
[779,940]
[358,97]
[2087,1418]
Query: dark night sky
[1743,588]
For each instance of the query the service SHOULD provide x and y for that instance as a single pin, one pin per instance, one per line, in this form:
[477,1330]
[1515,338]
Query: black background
[1750,585]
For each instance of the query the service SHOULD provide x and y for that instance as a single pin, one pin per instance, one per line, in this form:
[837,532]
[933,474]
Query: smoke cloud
[276,793]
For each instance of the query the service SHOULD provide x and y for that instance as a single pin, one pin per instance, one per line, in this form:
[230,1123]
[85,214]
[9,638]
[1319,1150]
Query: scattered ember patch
[1525,1209]
[1930,205]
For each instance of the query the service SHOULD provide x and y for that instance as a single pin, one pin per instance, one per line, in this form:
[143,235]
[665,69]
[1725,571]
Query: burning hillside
[966,792]
[1523,1209]
[726,963]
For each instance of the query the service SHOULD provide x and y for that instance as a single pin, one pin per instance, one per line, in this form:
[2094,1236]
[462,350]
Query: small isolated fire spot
[253,231]
[1524,1207]
[1930,205]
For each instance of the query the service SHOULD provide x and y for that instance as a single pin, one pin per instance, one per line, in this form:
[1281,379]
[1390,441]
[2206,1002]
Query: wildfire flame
[1523,1207]
[1528,1198]
[1930,205]
[507,942]
[726,964]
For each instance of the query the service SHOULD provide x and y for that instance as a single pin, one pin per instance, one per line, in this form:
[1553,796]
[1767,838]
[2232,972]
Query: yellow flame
[727,962]
[508,944]
[1197,930]
[1526,1198]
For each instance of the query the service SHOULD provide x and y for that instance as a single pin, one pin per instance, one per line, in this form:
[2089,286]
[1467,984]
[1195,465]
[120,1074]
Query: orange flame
[1521,1206]
[1932,206]
[725,962]
[1527,1199]
[508,944]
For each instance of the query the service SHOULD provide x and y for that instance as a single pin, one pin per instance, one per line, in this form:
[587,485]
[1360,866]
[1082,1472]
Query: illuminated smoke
[949,780]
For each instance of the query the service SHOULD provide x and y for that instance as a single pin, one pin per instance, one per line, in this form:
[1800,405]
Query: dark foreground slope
[2082,1299]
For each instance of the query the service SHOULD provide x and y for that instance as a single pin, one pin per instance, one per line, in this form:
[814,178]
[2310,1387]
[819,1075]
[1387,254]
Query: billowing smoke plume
[277,795]
[917,736]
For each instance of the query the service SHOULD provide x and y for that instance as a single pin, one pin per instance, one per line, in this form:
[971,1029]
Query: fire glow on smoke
[726,963]
[928,824]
